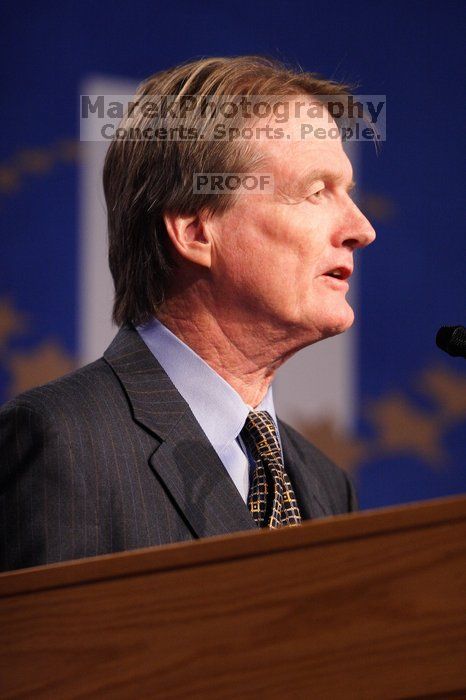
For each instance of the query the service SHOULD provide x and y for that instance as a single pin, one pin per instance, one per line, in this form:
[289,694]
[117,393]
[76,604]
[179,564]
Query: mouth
[337,277]
[339,273]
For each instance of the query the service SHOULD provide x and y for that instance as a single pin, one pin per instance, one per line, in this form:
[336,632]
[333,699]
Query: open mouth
[339,273]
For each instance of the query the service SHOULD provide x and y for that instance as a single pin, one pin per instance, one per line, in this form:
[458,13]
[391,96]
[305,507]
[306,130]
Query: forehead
[306,143]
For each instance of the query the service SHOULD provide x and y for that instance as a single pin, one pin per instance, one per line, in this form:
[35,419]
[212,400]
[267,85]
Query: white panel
[320,381]
[95,286]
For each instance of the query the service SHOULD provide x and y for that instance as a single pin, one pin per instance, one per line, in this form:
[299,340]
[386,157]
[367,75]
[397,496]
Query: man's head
[260,256]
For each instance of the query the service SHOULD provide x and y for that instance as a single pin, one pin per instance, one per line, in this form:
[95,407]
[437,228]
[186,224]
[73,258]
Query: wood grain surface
[369,605]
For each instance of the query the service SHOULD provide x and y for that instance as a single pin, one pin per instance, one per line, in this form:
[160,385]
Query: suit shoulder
[65,394]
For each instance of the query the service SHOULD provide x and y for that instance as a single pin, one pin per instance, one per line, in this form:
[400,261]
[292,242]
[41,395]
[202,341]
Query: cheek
[242,248]
[304,235]
[279,249]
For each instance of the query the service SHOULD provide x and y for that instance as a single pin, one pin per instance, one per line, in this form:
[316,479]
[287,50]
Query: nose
[357,229]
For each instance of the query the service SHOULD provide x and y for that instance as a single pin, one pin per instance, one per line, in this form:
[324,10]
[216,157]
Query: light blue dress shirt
[218,408]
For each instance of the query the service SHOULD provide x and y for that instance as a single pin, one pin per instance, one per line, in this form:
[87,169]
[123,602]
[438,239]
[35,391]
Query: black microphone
[452,339]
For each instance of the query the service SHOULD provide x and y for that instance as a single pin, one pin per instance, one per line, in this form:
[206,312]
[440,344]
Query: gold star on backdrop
[42,364]
[68,151]
[377,206]
[36,162]
[11,322]
[402,427]
[448,389]
[345,450]
[9,179]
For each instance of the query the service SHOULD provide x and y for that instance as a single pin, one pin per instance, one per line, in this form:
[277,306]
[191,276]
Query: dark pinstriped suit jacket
[111,458]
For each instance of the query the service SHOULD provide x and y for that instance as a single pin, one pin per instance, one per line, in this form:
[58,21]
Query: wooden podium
[369,605]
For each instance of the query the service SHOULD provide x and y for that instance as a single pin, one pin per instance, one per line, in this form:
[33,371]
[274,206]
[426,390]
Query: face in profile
[287,256]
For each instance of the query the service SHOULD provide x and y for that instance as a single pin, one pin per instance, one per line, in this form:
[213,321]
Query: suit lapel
[311,501]
[193,473]
[185,461]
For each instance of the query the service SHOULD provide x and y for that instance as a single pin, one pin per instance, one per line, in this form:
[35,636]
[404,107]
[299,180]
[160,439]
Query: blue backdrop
[410,439]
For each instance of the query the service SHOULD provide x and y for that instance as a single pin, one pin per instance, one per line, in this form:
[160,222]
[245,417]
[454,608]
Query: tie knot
[261,437]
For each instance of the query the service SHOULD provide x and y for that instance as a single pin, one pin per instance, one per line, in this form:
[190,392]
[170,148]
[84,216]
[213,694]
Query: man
[172,435]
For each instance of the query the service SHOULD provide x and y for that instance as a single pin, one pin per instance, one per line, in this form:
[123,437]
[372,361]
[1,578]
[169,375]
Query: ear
[190,237]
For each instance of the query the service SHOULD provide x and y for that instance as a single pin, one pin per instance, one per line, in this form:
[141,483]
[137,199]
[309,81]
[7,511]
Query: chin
[317,324]
[338,323]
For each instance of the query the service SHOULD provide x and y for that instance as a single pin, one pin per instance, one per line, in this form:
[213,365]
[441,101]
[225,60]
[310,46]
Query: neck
[240,350]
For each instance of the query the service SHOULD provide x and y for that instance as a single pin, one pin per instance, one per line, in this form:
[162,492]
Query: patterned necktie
[271,499]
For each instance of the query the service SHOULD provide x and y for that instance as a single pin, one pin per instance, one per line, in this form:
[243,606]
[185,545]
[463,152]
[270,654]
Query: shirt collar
[218,408]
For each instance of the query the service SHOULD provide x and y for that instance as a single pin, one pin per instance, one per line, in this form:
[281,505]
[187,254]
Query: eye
[316,189]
